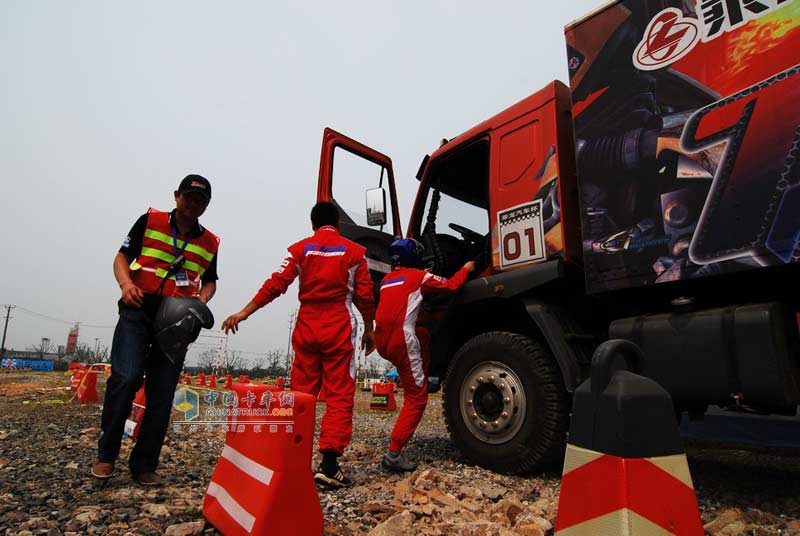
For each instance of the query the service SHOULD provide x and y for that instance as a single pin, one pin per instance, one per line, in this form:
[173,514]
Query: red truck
[656,199]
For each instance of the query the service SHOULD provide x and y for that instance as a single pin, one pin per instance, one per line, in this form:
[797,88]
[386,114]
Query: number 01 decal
[521,234]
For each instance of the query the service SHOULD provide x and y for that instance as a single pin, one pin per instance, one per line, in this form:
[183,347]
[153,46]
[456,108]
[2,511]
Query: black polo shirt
[132,246]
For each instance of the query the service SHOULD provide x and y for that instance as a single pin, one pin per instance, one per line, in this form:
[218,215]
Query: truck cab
[504,195]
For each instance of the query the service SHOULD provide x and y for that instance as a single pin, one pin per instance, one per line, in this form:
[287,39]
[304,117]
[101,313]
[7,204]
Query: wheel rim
[492,402]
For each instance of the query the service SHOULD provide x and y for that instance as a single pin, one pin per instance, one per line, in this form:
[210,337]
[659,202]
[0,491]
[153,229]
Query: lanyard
[175,249]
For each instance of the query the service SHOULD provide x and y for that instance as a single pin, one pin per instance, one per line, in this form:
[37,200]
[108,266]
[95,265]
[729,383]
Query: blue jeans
[136,357]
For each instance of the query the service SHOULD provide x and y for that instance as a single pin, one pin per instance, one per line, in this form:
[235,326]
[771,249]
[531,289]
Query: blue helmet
[406,252]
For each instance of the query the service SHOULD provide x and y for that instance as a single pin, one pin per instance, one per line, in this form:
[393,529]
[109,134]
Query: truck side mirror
[376,207]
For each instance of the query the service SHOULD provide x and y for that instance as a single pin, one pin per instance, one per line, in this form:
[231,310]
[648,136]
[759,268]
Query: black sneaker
[397,463]
[338,480]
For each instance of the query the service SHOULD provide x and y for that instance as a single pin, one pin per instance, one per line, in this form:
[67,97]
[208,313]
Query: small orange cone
[87,390]
[75,382]
[383,397]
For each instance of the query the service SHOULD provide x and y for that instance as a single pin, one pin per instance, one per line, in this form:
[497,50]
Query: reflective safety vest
[158,252]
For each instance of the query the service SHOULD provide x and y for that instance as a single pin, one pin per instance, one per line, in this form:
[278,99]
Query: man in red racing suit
[400,340]
[333,275]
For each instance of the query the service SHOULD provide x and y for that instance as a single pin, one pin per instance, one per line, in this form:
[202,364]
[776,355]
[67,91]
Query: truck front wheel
[505,404]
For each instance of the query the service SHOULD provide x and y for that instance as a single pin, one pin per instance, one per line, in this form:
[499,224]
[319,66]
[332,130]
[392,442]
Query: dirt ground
[48,444]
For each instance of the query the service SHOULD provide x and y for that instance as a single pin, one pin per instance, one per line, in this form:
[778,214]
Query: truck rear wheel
[505,404]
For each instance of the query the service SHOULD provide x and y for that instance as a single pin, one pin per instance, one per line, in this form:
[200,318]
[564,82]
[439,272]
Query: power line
[61,320]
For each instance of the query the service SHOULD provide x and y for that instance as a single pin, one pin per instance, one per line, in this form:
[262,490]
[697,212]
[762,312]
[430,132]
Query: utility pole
[5,329]
[289,342]
[96,346]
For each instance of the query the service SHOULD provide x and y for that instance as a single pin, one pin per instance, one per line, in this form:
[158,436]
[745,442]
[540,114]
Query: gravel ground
[48,444]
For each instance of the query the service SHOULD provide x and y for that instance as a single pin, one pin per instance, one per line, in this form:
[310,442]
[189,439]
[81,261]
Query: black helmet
[177,325]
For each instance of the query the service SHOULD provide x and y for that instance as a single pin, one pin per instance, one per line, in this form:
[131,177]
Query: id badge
[182,279]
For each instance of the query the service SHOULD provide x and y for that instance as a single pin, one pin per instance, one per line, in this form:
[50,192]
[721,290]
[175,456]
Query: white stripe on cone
[244,518]
[622,522]
[246,465]
[249,467]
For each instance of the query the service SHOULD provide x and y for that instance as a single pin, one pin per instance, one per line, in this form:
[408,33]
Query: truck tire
[505,404]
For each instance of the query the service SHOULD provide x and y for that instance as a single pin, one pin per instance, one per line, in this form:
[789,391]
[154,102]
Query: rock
[471,492]
[452,515]
[424,480]
[544,507]
[529,518]
[397,525]
[428,530]
[86,517]
[472,507]
[155,510]
[39,524]
[730,522]
[402,490]
[145,526]
[424,510]
[444,498]
[529,529]
[186,529]
[377,507]
[476,528]
[508,508]
[490,490]
[359,451]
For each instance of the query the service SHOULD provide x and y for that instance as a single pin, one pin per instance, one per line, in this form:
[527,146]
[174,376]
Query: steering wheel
[468,235]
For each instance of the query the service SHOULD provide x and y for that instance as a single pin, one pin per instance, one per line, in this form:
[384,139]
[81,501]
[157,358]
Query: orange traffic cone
[625,473]
[383,397]
[78,370]
[137,412]
[87,390]
[262,483]
[75,382]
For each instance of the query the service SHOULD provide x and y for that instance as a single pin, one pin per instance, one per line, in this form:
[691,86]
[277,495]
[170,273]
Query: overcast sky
[107,105]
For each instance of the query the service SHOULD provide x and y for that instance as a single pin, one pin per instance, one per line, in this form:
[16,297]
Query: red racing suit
[399,339]
[333,276]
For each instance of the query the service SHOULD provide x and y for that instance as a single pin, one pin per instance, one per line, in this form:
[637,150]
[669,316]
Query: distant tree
[44,347]
[85,353]
[207,360]
[275,363]
[376,367]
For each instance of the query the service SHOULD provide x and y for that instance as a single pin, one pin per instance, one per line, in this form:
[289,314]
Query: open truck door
[360,182]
